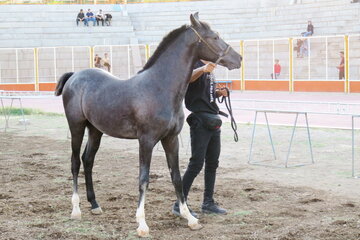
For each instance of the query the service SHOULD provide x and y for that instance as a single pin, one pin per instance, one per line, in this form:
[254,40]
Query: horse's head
[212,47]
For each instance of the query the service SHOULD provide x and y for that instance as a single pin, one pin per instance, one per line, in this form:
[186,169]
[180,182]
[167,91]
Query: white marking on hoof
[143,230]
[76,213]
[193,222]
[195,226]
[96,211]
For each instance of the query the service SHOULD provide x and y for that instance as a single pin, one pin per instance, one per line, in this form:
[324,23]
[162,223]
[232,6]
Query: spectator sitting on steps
[90,17]
[81,18]
[108,19]
[309,30]
[100,17]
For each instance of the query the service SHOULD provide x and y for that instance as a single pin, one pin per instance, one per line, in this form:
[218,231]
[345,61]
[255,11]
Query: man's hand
[209,67]
[222,92]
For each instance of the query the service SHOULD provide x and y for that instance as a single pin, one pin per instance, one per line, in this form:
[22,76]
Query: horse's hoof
[143,232]
[96,211]
[76,216]
[195,226]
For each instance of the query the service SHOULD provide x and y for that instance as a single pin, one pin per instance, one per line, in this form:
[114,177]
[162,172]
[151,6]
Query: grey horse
[147,107]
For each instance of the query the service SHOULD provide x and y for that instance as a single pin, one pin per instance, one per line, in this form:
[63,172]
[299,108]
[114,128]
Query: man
[341,67]
[90,17]
[309,30]
[277,69]
[100,17]
[97,61]
[205,134]
[81,18]
[108,18]
[106,62]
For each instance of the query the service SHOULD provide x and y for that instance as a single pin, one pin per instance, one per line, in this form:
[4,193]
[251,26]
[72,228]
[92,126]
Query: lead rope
[229,108]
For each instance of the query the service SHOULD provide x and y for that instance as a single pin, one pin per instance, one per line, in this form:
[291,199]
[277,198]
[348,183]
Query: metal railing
[318,62]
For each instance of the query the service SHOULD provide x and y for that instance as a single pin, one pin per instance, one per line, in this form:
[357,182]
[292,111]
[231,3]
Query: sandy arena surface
[319,201]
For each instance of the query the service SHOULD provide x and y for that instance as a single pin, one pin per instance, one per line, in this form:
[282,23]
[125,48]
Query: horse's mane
[164,44]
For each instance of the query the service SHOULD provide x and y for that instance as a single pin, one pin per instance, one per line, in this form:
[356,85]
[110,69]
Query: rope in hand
[229,108]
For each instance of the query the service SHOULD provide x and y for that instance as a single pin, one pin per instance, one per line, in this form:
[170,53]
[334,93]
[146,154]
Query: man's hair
[89,9]
[277,60]
[342,52]
[80,10]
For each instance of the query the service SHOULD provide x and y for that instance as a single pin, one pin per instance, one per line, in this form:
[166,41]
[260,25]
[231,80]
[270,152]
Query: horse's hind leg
[88,157]
[171,147]
[77,135]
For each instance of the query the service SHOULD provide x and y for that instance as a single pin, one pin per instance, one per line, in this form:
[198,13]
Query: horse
[147,107]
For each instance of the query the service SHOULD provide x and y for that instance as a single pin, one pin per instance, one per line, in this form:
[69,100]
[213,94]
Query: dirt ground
[319,201]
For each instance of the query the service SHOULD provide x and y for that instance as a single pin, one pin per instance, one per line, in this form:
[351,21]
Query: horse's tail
[61,83]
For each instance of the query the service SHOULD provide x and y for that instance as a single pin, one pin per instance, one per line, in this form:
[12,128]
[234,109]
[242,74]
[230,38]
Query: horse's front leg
[171,147]
[146,148]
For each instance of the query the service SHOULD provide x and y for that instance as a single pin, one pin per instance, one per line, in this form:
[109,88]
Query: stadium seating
[54,25]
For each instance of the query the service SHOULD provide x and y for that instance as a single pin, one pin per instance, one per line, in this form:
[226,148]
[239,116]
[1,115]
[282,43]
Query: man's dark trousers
[205,147]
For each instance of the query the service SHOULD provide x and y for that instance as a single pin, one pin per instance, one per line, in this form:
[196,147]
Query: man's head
[89,10]
[81,10]
[309,22]
[277,61]
[342,54]
[105,54]
[100,10]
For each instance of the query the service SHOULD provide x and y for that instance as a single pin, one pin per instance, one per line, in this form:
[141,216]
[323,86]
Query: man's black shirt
[200,96]
[80,15]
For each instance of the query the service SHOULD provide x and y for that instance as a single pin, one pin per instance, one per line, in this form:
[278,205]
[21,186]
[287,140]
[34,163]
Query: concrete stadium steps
[237,21]
[55,25]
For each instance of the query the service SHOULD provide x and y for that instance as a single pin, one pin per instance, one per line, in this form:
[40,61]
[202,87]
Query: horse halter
[201,39]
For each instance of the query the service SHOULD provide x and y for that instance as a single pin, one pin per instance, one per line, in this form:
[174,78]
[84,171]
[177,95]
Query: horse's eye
[216,38]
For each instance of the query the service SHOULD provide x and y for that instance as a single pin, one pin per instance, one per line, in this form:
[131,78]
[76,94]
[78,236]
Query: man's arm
[209,67]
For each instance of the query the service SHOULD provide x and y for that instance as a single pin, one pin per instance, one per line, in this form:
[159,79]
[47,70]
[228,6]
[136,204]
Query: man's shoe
[176,210]
[211,207]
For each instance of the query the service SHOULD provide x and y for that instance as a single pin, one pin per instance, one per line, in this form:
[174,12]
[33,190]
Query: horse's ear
[194,18]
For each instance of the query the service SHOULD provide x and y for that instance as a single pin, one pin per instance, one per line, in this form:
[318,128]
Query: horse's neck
[175,65]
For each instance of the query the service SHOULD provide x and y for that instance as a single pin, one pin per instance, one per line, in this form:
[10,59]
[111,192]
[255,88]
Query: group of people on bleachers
[104,18]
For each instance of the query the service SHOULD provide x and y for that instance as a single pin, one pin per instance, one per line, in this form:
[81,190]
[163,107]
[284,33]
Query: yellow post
[91,50]
[147,52]
[347,82]
[291,49]
[242,85]
[36,69]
